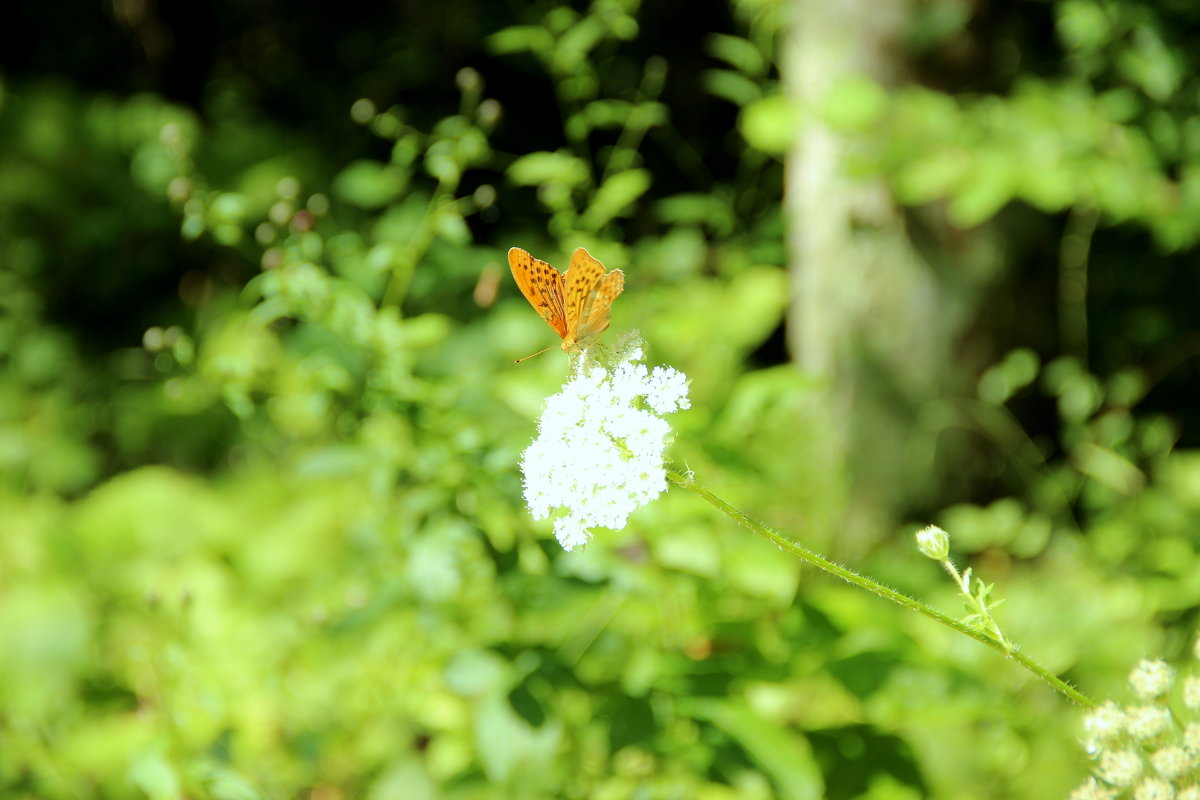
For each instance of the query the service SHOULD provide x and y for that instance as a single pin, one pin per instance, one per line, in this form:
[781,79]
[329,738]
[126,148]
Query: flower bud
[933,542]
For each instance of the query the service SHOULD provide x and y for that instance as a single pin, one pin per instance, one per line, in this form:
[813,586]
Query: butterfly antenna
[531,355]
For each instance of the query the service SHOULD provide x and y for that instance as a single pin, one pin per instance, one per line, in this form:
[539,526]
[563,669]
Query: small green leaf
[232,207]
[1083,25]
[741,54]
[477,672]
[520,39]
[548,167]
[453,228]
[855,104]
[1108,467]
[369,184]
[614,197]
[573,47]
[984,191]
[732,86]
[770,124]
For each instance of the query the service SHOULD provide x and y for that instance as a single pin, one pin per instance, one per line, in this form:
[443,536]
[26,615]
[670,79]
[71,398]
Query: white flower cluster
[1139,751]
[598,455]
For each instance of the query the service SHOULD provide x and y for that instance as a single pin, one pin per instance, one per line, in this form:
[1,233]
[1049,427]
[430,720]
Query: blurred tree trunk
[867,314]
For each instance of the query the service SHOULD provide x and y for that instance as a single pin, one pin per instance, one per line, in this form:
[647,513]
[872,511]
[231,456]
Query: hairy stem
[809,557]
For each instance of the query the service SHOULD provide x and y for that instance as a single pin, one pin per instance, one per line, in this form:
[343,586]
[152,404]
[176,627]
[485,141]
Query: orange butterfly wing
[589,296]
[597,321]
[542,286]
[582,279]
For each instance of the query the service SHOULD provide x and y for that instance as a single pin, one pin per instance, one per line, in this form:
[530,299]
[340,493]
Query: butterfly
[575,303]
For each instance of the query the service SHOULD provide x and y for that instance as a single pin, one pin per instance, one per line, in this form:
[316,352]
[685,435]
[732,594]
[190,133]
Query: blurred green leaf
[989,184]
[854,104]
[1083,24]
[226,784]
[1150,64]
[739,53]
[521,39]
[475,673]
[770,123]
[369,184]
[557,167]
[45,636]
[1001,381]
[576,43]
[1108,467]
[614,197]
[508,745]
[155,776]
[782,753]
[932,175]
[406,779]
[732,86]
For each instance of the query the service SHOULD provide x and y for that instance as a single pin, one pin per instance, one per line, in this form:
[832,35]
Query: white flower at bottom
[1151,678]
[1092,789]
[1191,736]
[1120,767]
[598,455]
[1154,789]
[1191,692]
[1145,722]
[1104,723]
[1171,762]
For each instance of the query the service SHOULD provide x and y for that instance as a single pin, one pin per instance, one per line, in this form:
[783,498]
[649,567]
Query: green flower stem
[808,556]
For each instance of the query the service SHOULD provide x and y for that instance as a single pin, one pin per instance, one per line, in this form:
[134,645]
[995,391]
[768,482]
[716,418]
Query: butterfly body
[577,303]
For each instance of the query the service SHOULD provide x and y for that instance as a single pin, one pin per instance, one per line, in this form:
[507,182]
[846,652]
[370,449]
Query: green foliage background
[259,424]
